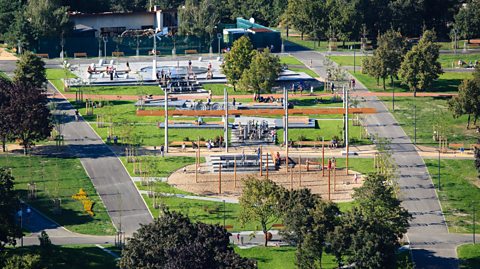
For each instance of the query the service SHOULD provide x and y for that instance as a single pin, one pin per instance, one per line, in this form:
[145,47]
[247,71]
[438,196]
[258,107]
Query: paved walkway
[124,204]
[432,245]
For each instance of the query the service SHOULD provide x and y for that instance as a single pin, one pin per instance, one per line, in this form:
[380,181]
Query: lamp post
[439,187]
[105,40]
[415,124]
[219,37]
[474,209]
[393,95]
[455,42]
[354,63]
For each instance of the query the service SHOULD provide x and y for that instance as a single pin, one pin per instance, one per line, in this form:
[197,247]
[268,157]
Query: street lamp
[105,40]
[393,89]
[219,37]
[439,187]
[474,209]
[455,31]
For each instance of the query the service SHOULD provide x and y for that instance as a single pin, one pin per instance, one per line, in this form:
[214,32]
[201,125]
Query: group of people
[470,64]
[255,130]
[110,70]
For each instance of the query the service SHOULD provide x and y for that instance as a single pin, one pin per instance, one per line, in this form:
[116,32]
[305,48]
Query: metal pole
[455,44]
[323,157]
[354,64]
[218,47]
[285,133]
[225,99]
[224,209]
[220,178]
[267,165]
[439,188]
[329,184]
[415,124]
[346,129]
[393,96]
[260,162]
[300,171]
[166,120]
[235,171]
[473,204]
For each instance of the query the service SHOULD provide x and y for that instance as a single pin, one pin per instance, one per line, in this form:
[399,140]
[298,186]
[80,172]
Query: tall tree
[307,221]
[20,33]
[374,225]
[9,205]
[477,158]
[387,58]
[32,118]
[173,241]
[420,66]
[308,17]
[6,122]
[237,60]
[48,18]
[260,202]
[30,71]
[344,20]
[467,102]
[8,9]
[467,20]
[262,73]
[200,18]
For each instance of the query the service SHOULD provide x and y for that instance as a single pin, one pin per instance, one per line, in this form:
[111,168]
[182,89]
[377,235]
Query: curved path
[432,245]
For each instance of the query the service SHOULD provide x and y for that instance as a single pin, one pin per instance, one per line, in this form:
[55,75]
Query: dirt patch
[207,183]
[6,56]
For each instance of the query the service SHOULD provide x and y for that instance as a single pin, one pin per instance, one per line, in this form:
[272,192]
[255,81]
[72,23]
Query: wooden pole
[220,178]
[334,176]
[235,171]
[329,184]
[300,171]
[323,157]
[267,165]
[260,161]
[291,178]
[346,130]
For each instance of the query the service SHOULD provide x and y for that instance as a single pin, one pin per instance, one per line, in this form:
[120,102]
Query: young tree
[467,102]
[30,114]
[389,54]
[260,202]
[200,18]
[6,123]
[262,73]
[421,67]
[237,60]
[477,158]
[30,71]
[28,261]
[9,205]
[173,241]
[48,18]
[467,20]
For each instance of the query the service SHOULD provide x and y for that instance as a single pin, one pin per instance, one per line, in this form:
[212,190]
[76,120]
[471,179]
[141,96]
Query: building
[113,24]
[261,36]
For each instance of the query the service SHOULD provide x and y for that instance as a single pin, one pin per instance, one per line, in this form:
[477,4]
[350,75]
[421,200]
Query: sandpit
[341,184]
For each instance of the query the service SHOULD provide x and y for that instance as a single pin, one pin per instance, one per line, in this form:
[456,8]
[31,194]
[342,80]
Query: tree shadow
[427,259]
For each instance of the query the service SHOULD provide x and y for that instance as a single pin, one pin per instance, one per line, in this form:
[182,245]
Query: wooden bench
[191,52]
[277,225]
[474,43]
[311,143]
[182,122]
[474,146]
[118,53]
[299,119]
[456,146]
[80,54]
[187,143]
[43,55]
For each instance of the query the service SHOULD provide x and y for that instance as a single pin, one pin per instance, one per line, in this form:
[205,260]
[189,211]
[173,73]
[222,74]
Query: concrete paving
[124,203]
[432,245]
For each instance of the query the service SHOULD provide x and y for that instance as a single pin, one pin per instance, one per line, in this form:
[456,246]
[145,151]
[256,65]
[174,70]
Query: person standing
[243,157]
[162,151]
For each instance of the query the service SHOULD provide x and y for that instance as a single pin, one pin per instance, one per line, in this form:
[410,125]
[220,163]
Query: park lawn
[279,257]
[451,60]
[315,45]
[327,129]
[290,60]
[69,257]
[305,70]
[217,89]
[347,60]
[431,112]
[55,76]
[60,178]
[459,189]
[447,83]
[159,166]
[469,256]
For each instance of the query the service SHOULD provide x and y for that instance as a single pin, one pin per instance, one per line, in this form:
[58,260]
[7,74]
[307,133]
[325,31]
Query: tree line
[28,21]
[23,104]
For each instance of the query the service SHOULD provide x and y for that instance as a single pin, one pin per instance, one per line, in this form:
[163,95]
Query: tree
[31,116]
[237,60]
[173,241]
[262,73]
[477,158]
[370,232]
[307,221]
[9,205]
[344,20]
[308,17]
[30,71]
[421,67]
[387,58]
[7,13]
[6,123]
[200,18]
[20,33]
[467,20]
[260,202]
[467,102]
[28,261]
[48,18]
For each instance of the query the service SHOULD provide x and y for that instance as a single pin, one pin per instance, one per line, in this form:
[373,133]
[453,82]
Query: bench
[150,52]
[456,146]
[277,225]
[42,55]
[311,143]
[191,52]
[474,42]
[118,53]
[80,54]
[187,143]
[182,122]
[298,119]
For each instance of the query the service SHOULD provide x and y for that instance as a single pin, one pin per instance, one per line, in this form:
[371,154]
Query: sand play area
[208,183]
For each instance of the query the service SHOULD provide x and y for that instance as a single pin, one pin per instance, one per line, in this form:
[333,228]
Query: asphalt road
[432,245]
[124,203]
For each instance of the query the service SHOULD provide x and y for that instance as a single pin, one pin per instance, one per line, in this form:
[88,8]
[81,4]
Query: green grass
[279,257]
[348,60]
[448,82]
[469,256]
[217,89]
[70,257]
[451,60]
[60,178]
[327,129]
[305,70]
[458,191]
[56,75]
[315,45]
[158,166]
[290,60]
[428,113]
